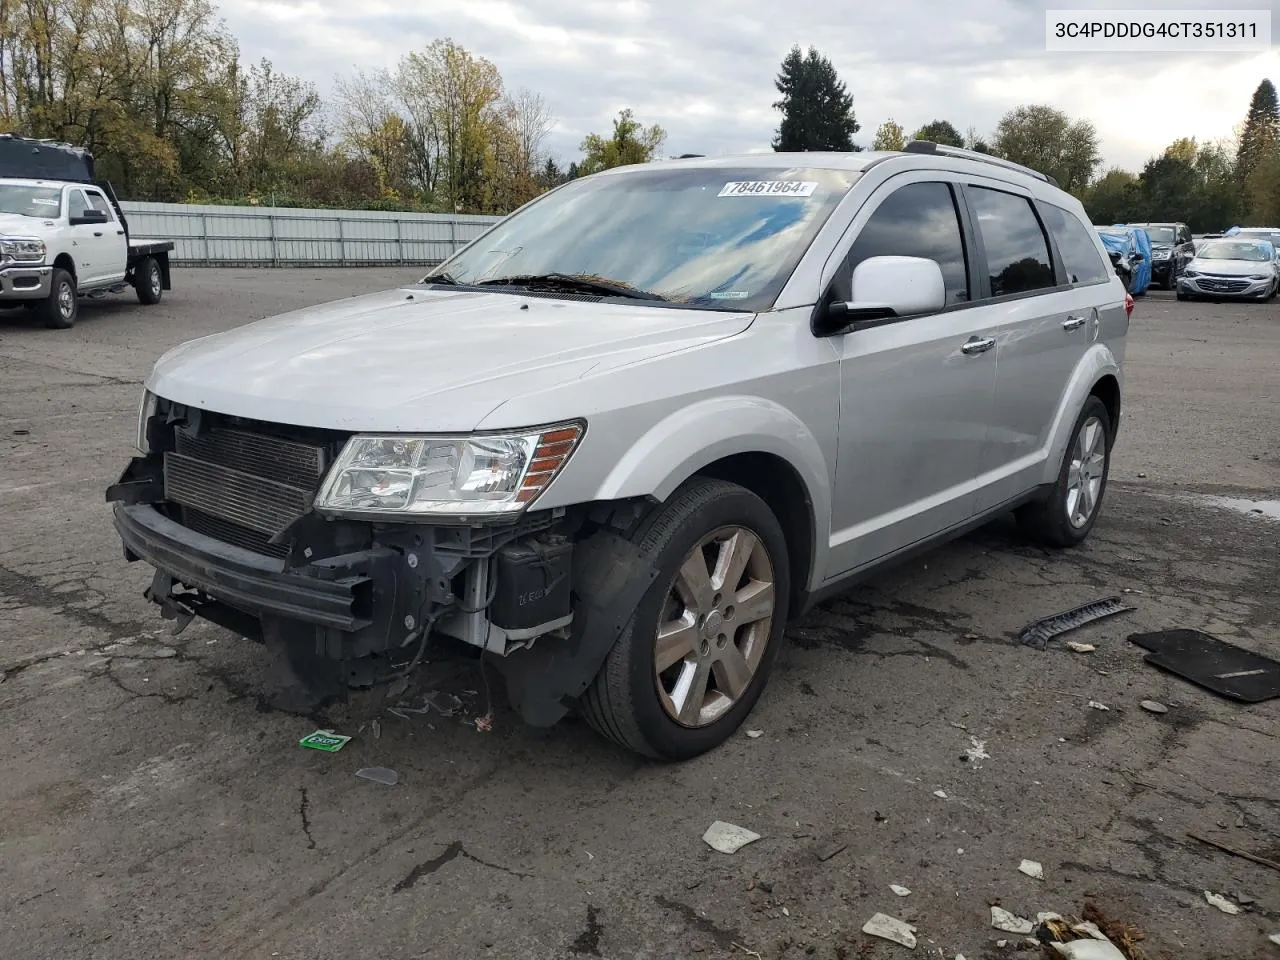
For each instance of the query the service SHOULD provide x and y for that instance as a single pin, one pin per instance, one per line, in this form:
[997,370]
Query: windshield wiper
[570,282]
[440,278]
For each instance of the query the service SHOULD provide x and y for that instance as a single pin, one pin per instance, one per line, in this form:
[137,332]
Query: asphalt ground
[150,807]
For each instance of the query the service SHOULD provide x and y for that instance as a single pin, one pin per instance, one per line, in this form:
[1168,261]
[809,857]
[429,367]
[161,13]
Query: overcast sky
[704,69]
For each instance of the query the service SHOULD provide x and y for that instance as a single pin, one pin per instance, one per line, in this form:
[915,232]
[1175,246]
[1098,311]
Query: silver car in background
[1231,268]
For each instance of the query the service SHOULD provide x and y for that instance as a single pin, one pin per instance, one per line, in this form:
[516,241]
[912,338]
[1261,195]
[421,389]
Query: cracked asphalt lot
[151,807]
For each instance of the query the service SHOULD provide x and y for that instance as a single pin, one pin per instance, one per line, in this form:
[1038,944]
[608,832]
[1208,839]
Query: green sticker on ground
[324,740]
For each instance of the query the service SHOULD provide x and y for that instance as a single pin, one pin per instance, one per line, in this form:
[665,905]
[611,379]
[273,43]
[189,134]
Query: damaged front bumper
[353,605]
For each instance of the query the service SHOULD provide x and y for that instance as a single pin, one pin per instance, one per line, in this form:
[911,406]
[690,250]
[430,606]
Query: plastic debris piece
[899,890]
[1038,633]
[755,734]
[977,750]
[940,794]
[1098,706]
[1221,902]
[1079,647]
[1047,916]
[484,724]
[1002,919]
[1089,950]
[728,837]
[786,912]
[325,740]
[1275,938]
[379,775]
[887,928]
[1032,869]
[376,727]
[1153,706]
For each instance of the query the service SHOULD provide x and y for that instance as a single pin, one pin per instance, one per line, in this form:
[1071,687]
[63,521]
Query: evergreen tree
[1261,130]
[817,108]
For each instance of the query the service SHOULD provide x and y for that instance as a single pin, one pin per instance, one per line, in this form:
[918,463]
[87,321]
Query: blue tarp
[1128,240]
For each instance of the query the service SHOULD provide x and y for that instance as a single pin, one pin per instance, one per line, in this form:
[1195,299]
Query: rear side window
[1017,250]
[917,220]
[1075,245]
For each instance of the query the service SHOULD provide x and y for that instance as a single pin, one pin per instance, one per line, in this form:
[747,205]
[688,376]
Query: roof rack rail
[941,149]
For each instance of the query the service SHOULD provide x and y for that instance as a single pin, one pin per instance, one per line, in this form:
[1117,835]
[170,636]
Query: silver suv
[614,445]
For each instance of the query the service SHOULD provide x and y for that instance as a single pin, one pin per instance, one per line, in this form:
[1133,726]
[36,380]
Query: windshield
[714,238]
[1161,234]
[41,202]
[1235,250]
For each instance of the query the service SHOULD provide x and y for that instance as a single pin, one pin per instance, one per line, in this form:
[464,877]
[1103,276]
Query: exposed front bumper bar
[21,282]
[242,579]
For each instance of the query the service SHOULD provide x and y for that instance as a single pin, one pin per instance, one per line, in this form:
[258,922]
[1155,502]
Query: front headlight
[26,251]
[146,410]
[1188,272]
[408,477]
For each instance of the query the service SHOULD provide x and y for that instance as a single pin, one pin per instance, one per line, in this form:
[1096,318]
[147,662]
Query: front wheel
[1066,516]
[695,656]
[147,281]
[60,309]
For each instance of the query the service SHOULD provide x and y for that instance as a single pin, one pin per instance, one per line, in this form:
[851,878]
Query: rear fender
[1096,364]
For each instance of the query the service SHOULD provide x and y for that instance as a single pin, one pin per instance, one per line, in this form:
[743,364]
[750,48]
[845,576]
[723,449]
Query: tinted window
[98,201]
[76,205]
[918,220]
[1017,251]
[1075,246]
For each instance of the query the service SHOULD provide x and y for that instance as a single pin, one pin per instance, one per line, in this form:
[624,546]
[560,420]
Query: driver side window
[76,204]
[917,220]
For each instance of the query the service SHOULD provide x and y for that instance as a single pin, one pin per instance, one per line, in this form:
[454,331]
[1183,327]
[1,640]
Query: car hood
[1231,268]
[15,225]
[419,359]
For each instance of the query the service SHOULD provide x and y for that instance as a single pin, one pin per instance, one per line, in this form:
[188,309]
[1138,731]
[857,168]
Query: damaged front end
[230,514]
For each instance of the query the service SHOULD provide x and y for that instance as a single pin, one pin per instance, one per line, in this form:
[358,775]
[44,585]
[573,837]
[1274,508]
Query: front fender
[1097,363]
[698,435]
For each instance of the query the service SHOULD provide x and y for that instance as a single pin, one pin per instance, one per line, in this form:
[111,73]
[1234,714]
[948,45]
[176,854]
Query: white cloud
[704,69]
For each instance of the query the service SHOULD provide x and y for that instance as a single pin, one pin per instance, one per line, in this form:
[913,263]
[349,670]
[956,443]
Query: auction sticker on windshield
[769,188]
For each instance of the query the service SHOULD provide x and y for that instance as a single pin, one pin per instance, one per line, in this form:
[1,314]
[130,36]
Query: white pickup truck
[62,239]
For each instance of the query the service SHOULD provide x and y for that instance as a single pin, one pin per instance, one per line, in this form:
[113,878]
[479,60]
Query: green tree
[1114,198]
[630,143]
[1168,187]
[941,132]
[817,108]
[1261,130]
[976,143]
[889,136]
[1046,139]
[1218,203]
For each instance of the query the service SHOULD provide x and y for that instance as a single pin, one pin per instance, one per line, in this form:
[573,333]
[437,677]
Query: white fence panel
[211,235]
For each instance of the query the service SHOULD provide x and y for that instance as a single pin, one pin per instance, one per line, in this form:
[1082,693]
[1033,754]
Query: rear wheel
[60,309]
[1066,516]
[148,281]
[696,654]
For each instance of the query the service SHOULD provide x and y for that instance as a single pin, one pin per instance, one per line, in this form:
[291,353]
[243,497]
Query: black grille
[242,487]
[1223,284]
[232,533]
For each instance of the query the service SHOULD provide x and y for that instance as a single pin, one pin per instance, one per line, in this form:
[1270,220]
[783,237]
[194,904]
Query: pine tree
[817,108]
[1261,132]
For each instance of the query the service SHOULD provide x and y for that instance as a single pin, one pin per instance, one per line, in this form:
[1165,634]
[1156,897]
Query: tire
[1056,521]
[148,281]
[638,707]
[60,309]
[1182,296]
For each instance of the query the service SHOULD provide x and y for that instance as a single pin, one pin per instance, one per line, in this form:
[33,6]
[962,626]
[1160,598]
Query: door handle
[978,345]
[97,233]
[1073,323]
[119,233]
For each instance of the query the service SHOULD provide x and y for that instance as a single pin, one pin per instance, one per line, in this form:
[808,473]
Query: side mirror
[88,217]
[886,288]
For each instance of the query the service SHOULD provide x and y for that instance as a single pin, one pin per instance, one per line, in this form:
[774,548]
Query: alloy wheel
[1086,472]
[715,626]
